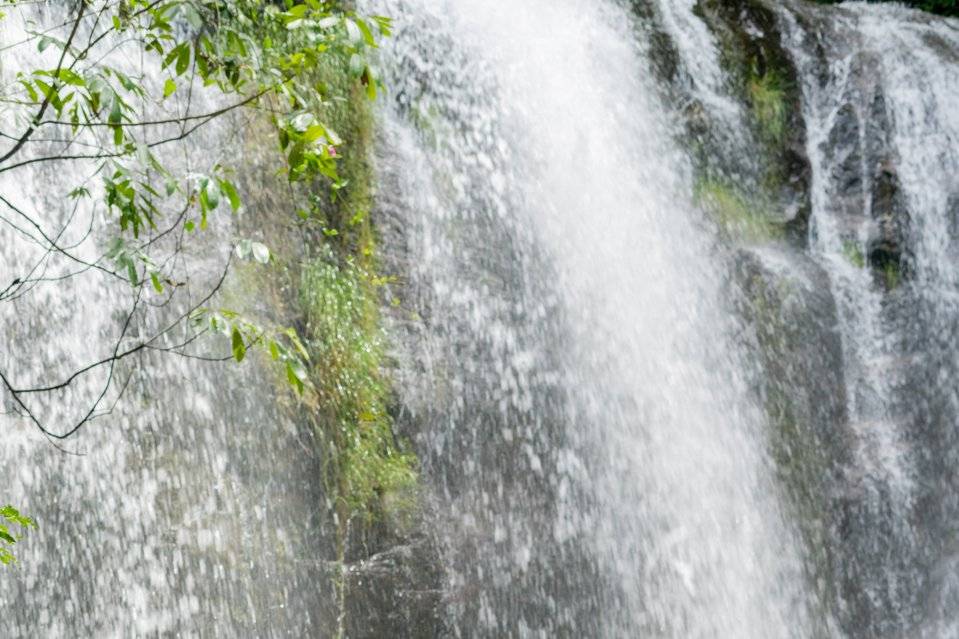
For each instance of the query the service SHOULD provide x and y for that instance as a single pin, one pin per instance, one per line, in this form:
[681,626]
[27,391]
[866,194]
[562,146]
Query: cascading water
[629,421]
[560,260]
[877,95]
[191,505]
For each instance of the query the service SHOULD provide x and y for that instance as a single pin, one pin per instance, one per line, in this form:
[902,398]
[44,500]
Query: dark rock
[395,593]
[786,299]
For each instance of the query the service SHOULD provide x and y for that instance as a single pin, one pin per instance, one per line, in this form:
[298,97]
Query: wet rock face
[755,140]
[477,347]
[874,89]
[786,301]
[838,502]
[662,51]
[863,178]
[764,78]
[863,416]
[396,592]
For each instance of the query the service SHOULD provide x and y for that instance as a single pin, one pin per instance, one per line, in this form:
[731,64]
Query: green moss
[891,275]
[347,110]
[853,253]
[738,216]
[767,96]
[365,467]
[369,474]
[326,281]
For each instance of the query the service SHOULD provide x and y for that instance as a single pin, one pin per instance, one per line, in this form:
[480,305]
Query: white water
[188,507]
[899,345]
[594,458]
[552,132]
[699,55]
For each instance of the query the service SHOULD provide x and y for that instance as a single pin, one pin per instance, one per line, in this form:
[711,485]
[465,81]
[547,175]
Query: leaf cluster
[8,538]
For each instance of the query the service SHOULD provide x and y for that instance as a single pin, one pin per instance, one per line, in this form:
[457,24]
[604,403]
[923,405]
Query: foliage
[347,344]
[891,275]
[329,257]
[767,97]
[854,254]
[8,538]
[737,215]
[79,101]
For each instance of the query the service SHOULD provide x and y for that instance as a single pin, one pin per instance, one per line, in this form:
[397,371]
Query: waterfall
[189,505]
[582,353]
[877,96]
[672,296]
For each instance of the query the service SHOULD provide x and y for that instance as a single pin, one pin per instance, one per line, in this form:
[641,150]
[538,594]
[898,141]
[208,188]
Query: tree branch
[46,100]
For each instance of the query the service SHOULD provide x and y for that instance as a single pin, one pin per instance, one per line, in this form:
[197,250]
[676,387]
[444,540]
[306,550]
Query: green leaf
[209,198]
[295,339]
[171,57]
[367,33]
[116,111]
[385,24]
[332,136]
[239,349]
[352,30]
[182,59]
[296,375]
[212,195]
[158,287]
[218,324]
[260,252]
[314,133]
[168,88]
[69,77]
[193,18]
[230,191]
[32,92]
[356,65]
[367,79]
[297,12]
[243,248]
[13,515]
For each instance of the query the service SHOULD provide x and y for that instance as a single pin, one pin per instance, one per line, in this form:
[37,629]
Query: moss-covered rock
[764,160]
[739,216]
[326,281]
[764,77]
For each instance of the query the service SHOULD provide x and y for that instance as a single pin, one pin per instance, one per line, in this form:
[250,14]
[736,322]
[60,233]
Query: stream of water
[599,423]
